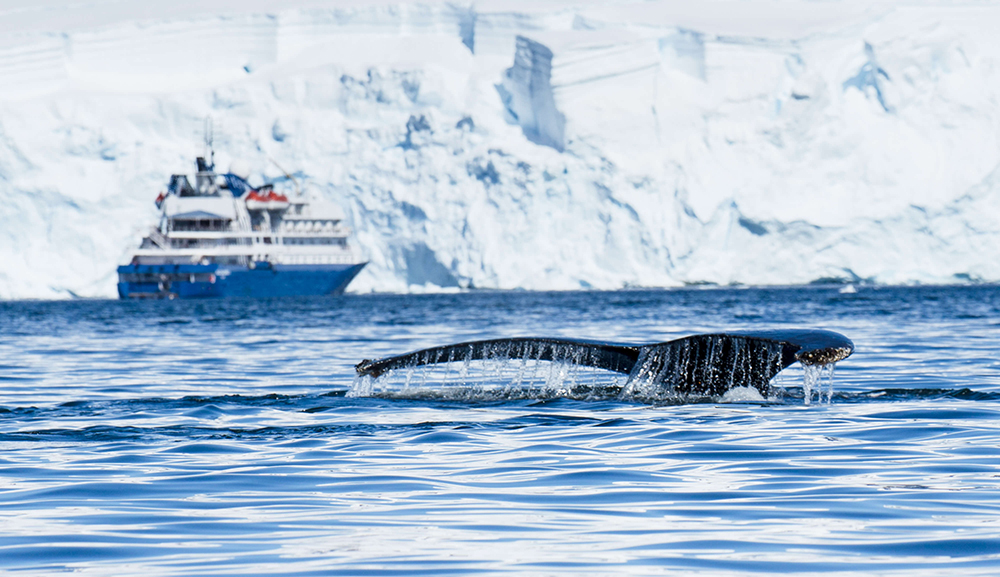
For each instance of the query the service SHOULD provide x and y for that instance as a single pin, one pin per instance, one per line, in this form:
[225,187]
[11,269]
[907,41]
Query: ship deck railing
[211,234]
[284,254]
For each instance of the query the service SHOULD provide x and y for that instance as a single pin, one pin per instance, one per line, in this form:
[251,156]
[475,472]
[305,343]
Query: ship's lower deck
[260,279]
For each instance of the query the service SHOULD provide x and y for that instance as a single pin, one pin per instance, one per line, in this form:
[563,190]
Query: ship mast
[209,141]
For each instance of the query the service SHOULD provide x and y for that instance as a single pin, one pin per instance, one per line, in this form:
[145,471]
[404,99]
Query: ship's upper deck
[222,217]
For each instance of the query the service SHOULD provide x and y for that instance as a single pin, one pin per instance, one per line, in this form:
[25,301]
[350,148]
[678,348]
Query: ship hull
[262,280]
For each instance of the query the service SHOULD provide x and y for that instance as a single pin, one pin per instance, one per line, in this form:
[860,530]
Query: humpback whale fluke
[708,364]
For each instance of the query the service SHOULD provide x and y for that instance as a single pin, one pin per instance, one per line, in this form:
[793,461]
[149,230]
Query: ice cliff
[542,145]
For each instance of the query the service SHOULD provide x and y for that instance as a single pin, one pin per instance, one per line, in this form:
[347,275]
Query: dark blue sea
[224,438]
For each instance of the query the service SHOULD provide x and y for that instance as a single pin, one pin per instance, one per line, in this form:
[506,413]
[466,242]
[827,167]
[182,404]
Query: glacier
[547,145]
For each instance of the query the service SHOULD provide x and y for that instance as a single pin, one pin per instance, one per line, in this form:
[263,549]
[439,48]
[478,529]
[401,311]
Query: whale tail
[708,364]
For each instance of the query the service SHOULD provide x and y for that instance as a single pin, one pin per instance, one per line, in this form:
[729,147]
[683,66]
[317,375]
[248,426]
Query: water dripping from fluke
[818,379]
[732,367]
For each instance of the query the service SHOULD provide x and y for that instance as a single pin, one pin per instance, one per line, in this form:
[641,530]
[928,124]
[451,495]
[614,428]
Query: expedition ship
[221,237]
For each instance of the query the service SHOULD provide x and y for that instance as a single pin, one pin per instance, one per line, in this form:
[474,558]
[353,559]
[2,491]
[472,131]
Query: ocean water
[224,438]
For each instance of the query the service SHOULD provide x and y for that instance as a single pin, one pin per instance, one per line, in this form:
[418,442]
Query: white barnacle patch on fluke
[827,356]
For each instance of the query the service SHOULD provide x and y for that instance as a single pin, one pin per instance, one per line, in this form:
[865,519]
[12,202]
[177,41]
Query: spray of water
[492,380]
[504,371]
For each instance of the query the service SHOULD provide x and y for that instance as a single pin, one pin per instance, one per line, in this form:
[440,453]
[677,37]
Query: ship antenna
[287,175]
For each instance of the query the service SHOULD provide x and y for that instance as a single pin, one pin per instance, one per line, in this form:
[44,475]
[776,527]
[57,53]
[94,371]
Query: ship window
[184,224]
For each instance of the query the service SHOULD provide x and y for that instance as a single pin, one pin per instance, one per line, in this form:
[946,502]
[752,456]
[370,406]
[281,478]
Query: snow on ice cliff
[543,145]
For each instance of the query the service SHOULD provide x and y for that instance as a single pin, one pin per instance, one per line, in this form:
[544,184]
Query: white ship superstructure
[220,222]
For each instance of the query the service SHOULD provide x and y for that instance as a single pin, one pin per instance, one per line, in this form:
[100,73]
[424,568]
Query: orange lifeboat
[277,201]
[257,201]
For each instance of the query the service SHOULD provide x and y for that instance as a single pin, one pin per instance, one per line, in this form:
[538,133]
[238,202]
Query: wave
[237,423]
[206,424]
[583,396]
[780,395]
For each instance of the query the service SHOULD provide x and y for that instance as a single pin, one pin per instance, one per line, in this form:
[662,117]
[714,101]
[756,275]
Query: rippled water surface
[180,438]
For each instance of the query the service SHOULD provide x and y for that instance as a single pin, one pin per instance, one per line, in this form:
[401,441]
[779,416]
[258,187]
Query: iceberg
[550,145]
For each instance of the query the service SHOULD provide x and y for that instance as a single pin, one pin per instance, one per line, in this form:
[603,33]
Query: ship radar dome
[240,168]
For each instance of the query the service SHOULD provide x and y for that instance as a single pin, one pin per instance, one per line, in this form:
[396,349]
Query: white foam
[742,395]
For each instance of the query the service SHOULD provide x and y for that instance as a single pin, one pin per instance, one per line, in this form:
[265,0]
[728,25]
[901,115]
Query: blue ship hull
[262,280]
